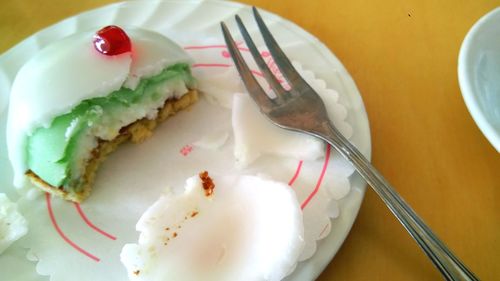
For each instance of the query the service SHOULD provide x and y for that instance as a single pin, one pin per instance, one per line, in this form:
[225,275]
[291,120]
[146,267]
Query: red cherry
[112,40]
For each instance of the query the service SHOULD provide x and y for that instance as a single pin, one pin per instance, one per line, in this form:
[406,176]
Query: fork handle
[445,261]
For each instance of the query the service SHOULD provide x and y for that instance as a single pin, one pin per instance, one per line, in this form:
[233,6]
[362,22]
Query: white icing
[219,86]
[151,52]
[249,229]
[12,224]
[254,136]
[70,70]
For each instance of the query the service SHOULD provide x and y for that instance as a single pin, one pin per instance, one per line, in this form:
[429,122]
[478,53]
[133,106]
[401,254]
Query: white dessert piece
[219,86]
[249,228]
[12,224]
[255,135]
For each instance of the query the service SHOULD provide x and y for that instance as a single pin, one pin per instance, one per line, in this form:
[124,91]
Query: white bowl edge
[465,69]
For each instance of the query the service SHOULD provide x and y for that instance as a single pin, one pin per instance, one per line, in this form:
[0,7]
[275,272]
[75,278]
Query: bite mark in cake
[77,99]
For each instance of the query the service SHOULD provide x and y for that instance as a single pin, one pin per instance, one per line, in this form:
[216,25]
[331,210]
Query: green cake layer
[58,154]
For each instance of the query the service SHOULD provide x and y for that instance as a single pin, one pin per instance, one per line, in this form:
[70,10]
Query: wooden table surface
[403,57]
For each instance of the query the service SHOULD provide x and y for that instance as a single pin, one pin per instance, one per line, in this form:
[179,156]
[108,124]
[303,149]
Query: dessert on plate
[80,97]
[220,228]
[12,224]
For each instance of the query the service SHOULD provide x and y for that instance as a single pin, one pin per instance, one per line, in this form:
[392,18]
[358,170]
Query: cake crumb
[208,183]
[137,272]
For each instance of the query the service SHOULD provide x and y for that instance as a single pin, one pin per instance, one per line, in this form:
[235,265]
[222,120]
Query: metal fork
[301,109]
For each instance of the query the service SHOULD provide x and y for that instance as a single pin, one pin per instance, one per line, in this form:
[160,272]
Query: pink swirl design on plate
[297,172]
[61,233]
[185,150]
[91,225]
[266,55]
[320,179]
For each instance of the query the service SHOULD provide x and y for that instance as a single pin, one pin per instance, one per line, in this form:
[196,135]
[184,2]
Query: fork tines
[281,60]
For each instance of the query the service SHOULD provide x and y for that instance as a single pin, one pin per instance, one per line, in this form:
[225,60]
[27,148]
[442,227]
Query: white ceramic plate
[181,20]
[479,75]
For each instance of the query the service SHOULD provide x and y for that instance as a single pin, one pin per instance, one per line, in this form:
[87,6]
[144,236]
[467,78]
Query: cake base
[136,132]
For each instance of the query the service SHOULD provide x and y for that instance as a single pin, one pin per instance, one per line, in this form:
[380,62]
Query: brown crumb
[167,228]
[165,241]
[194,214]
[174,234]
[136,272]
[208,183]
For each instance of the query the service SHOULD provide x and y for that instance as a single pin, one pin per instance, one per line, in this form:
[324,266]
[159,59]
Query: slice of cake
[77,99]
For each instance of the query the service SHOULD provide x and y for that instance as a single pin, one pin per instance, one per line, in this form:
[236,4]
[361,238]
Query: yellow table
[403,57]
